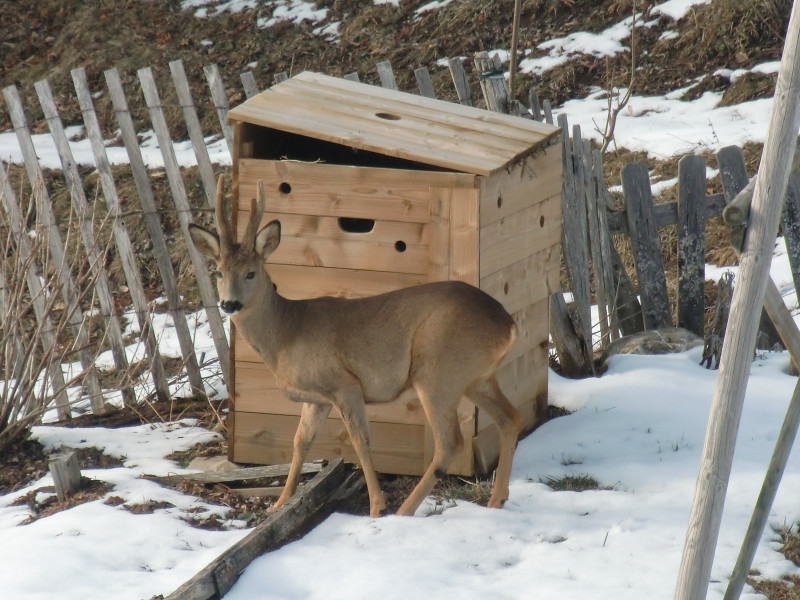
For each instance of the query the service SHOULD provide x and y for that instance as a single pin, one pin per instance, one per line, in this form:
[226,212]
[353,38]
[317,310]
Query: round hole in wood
[499,201]
[400,246]
[541,221]
[505,288]
[387,116]
[285,188]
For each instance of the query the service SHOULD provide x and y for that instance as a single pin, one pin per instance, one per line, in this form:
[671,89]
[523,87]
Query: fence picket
[386,75]
[69,290]
[179,196]
[691,242]
[125,249]
[604,260]
[90,242]
[492,82]
[424,82]
[646,246]
[790,221]
[460,81]
[195,130]
[47,334]
[153,224]
[280,77]
[217,89]
[249,84]
[604,306]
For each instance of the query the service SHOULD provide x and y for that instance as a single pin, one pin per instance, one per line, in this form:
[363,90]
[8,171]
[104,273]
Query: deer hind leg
[441,411]
[312,416]
[350,403]
[487,396]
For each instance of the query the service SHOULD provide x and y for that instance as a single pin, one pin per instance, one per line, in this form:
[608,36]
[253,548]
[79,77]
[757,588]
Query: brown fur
[439,341]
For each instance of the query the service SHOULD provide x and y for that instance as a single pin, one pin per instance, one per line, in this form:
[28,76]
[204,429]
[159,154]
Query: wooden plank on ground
[646,246]
[306,507]
[233,475]
[691,243]
[153,224]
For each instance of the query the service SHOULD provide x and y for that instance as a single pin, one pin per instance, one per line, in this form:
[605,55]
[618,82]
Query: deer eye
[250,275]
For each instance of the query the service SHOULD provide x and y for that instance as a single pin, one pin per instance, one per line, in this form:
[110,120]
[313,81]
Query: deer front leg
[312,416]
[354,414]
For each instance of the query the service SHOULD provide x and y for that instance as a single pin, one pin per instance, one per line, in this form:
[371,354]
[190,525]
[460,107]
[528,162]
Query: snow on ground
[638,430]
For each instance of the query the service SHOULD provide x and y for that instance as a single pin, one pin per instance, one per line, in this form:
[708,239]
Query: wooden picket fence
[587,240]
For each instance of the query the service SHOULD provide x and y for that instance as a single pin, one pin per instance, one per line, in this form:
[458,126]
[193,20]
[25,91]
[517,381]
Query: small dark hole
[387,116]
[499,201]
[351,225]
[541,221]
[400,246]
[505,288]
[285,188]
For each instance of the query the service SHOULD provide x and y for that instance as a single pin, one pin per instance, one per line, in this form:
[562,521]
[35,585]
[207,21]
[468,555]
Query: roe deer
[438,341]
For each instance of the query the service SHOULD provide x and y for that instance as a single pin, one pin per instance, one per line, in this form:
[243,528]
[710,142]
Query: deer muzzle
[230,306]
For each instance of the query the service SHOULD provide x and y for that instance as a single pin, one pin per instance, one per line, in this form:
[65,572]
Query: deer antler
[256,214]
[223,226]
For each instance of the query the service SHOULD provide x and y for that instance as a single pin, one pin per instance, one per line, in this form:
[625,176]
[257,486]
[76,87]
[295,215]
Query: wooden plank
[535,105]
[320,241]
[646,246]
[220,99]
[46,218]
[268,439]
[526,281]
[533,327]
[535,179]
[439,259]
[790,222]
[153,224]
[195,130]
[181,200]
[249,84]
[281,77]
[574,241]
[666,213]
[593,200]
[257,392]
[305,508]
[691,243]
[298,282]
[493,83]
[127,254]
[237,475]
[489,127]
[33,279]
[95,248]
[521,235]
[604,262]
[386,75]
[424,82]
[460,81]
[464,237]
[343,120]
[568,344]
[344,191]
[66,473]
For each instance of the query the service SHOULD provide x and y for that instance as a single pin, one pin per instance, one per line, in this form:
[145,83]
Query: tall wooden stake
[748,297]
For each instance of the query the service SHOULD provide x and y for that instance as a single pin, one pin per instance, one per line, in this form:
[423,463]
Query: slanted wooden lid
[416,128]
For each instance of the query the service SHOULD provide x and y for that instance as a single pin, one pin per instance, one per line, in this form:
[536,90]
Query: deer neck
[265,324]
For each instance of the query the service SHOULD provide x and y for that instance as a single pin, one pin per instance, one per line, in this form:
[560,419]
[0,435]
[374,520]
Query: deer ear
[268,238]
[205,241]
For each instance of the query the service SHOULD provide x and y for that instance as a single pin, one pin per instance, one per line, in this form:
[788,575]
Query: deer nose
[230,306]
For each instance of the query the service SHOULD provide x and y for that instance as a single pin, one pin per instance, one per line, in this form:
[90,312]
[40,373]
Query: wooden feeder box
[378,190]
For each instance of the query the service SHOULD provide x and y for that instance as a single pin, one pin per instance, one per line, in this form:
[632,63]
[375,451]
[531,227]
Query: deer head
[240,265]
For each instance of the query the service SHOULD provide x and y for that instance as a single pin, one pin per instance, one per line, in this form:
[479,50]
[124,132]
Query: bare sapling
[437,341]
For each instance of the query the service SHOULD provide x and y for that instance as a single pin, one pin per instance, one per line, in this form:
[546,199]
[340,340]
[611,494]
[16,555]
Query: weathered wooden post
[726,408]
